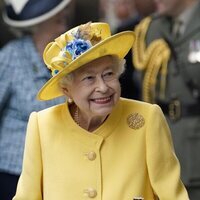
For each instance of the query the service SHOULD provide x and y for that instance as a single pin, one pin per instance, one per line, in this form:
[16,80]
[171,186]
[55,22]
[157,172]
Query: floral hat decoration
[79,46]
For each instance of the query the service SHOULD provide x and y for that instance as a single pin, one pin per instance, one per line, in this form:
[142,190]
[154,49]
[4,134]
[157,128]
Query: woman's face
[95,87]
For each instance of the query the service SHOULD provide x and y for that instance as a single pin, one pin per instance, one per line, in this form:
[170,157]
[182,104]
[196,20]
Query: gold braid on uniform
[152,59]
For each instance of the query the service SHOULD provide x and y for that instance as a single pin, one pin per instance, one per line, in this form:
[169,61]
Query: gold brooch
[135,121]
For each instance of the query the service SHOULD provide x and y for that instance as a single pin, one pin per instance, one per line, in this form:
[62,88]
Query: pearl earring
[70,101]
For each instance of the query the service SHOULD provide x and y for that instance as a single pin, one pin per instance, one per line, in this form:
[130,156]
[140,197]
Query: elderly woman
[96,145]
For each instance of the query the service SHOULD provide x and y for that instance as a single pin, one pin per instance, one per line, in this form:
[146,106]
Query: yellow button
[91,193]
[91,155]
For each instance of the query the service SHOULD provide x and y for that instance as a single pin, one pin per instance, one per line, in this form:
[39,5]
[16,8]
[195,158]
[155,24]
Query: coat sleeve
[30,182]
[5,78]
[163,165]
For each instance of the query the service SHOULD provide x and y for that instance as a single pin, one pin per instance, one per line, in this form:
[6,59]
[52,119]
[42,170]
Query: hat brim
[37,20]
[118,44]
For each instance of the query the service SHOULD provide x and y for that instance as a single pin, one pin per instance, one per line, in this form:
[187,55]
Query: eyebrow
[89,71]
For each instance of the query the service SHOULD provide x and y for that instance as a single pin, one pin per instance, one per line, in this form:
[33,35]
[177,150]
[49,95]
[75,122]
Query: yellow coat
[131,155]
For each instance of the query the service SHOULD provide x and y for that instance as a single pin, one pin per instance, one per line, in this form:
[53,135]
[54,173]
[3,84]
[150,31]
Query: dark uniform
[171,79]
[129,83]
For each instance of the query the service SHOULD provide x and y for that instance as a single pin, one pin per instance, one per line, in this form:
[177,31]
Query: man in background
[130,84]
[167,51]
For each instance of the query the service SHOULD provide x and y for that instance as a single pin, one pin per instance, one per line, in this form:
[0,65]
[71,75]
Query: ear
[67,94]
[66,91]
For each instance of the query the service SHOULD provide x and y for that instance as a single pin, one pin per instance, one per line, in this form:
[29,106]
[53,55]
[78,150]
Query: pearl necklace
[76,116]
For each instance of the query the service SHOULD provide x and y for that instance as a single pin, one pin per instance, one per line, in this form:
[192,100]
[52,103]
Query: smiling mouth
[103,100]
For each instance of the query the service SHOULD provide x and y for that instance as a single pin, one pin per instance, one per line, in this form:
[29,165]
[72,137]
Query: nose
[101,85]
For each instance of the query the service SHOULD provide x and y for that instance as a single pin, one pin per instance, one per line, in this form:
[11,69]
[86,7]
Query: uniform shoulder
[152,28]
[157,18]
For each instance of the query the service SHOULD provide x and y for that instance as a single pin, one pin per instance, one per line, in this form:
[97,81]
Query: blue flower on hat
[77,47]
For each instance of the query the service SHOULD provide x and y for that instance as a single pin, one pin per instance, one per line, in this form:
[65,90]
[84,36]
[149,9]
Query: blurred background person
[144,8]
[106,13]
[116,12]
[5,33]
[36,23]
[131,87]
[124,15]
[125,11]
[168,49]
[140,9]
[85,11]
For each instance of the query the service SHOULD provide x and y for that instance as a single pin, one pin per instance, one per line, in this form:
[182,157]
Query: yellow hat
[79,46]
